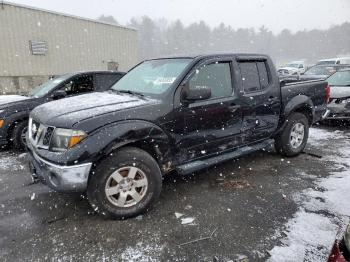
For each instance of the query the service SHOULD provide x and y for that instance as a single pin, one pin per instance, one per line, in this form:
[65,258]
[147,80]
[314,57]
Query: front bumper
[58,177]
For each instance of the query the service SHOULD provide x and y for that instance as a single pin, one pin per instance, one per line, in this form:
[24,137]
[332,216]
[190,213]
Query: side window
[217,76]
[263,76]
[250,77]
[105,81]
[79,85]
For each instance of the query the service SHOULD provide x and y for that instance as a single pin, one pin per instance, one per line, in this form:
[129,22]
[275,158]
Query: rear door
[260,96]
[212,125]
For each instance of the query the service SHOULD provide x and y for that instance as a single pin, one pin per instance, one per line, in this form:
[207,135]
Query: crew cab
[178,114]
[15,109]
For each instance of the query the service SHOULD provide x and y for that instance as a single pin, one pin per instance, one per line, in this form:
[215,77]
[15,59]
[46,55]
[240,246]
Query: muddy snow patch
[323,209]
[142,253]
[320,136]
[10,162]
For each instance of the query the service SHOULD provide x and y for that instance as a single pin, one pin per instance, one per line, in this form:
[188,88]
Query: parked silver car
[339,105]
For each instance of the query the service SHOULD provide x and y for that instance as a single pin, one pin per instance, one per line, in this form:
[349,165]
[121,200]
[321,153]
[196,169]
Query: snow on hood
[340,91]
[6,99]
[78,108]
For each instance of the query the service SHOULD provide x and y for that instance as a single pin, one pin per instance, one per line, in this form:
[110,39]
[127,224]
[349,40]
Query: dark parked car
[182,114]
[321,71]
[15,109]
[339,106]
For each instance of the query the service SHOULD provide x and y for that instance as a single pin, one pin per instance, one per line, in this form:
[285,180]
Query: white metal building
[36,44]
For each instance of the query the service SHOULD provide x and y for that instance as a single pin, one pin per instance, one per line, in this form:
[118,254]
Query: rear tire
[293,138]
[18,135]
[125,184]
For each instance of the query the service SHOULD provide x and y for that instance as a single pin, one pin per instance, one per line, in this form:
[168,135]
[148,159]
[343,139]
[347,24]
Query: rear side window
[105,81]
[254,76]
[250,77]
[263,76]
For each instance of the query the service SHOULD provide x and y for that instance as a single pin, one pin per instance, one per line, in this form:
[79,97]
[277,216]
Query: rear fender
[300,103]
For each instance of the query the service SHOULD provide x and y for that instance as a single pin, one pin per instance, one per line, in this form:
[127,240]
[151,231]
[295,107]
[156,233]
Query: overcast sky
[274,14]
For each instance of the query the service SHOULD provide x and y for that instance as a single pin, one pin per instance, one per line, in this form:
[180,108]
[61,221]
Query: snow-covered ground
[323,210]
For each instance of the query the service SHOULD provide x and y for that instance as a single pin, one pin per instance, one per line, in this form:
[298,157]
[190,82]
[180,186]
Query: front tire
[293,138]
[18,137]
[125,184]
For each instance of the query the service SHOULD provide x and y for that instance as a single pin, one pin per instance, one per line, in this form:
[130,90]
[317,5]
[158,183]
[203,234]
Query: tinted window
[217,76]
[79,85]
[264,78]
[250,76]
[105,81]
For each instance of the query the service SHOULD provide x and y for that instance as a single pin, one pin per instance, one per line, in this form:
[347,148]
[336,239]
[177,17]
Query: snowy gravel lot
[257,208]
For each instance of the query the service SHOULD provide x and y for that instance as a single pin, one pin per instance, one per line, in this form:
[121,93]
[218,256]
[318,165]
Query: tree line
[161,38]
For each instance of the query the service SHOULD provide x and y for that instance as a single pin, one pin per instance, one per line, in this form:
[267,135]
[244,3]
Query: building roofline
[66,15]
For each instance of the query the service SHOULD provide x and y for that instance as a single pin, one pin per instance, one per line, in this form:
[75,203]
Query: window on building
[38,47]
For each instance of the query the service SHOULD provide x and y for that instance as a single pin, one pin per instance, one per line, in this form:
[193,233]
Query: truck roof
[213,55]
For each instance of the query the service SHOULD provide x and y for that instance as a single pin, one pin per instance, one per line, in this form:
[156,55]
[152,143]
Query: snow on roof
[66,15]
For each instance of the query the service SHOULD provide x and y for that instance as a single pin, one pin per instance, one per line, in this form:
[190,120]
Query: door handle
[273,99]
[233,107]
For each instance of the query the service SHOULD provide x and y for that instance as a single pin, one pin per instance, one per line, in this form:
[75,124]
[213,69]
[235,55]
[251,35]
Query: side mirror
[58,94]
[196,92]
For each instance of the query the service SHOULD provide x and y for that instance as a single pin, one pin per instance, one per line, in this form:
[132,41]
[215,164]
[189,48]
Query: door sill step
[194,166]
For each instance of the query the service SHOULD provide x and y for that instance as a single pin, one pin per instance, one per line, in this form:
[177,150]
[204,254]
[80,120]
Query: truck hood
[67,112]
[340,91]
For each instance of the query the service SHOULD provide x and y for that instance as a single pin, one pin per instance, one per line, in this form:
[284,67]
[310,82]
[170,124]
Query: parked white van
[334,61]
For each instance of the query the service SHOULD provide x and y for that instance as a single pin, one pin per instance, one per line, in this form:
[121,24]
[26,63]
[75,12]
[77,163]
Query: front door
[212,125]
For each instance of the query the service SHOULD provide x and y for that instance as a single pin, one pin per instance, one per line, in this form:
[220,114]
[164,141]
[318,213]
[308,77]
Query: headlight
[64,139]
[347,238]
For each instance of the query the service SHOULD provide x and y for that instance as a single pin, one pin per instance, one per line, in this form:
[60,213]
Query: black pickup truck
[15,109]
[171,114]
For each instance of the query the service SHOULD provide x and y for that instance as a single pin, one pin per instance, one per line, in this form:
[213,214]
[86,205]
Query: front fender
[108,138]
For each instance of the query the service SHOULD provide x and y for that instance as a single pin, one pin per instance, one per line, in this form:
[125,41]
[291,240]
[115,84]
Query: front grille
[48,135]
[40,135]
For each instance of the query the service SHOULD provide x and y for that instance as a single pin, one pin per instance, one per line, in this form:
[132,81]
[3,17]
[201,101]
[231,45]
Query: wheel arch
[140,134]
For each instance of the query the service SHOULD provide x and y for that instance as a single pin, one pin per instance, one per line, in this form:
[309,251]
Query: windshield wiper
[130,92]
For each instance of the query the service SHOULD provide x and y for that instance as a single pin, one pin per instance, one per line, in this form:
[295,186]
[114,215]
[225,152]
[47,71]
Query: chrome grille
[40,135]
[48,135]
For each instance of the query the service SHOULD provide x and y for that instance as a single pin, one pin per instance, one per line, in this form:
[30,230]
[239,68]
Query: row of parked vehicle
[335,71]
[175,114]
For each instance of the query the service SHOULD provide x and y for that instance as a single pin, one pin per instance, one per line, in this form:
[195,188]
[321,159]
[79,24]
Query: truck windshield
[152,77]
[46,87]
[341,78]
